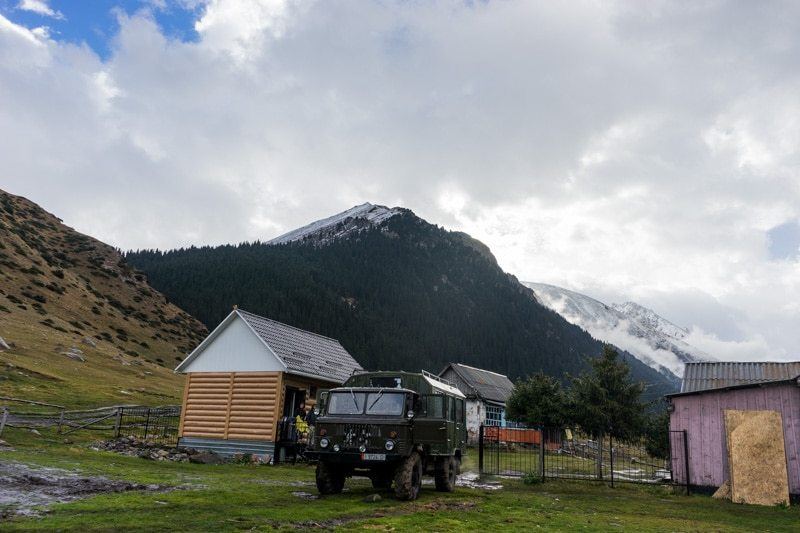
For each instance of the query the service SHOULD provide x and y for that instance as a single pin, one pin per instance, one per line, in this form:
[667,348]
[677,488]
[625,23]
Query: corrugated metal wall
[717,375]
[236,405]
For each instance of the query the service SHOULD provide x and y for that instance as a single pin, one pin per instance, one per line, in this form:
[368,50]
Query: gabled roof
[720,375]
[483,384]
[301,352]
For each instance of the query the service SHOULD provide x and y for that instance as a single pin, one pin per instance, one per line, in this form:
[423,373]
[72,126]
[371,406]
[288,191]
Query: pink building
[711,388]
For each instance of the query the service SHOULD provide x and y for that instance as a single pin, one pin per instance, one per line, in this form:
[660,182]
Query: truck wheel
[445,475]
[330,480]
[408,478]
[381,478]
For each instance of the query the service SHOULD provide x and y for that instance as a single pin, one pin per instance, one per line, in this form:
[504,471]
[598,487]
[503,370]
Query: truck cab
[393,427]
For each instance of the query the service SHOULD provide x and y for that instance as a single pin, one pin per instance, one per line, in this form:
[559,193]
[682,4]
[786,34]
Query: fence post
[118,422]
[147,423]
[599,461]
[541,452]
[480,450]
[60,422]
[3,419]
[686,459]
[611,456]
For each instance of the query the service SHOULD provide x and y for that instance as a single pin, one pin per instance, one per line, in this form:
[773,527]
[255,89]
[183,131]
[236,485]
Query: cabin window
[346,403]
[494,415]
[386,382]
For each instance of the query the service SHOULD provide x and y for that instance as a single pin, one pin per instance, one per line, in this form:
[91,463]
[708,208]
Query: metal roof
[719,375]
[484,383]
[303,352]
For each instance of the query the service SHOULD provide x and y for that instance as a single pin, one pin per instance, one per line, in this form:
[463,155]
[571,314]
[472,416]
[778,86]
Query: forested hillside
[405,294]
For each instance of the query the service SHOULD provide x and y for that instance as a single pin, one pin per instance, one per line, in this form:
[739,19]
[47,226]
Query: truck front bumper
[354,458]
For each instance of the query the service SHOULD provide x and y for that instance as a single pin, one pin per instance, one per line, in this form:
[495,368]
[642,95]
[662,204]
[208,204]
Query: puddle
[305,495]
[23,488]
[472,480]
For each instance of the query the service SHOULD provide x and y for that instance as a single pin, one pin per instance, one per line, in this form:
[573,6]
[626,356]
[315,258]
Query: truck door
[460,438]
[431,426]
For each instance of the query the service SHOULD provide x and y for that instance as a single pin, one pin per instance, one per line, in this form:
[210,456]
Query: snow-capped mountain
[638,330]
[353,220]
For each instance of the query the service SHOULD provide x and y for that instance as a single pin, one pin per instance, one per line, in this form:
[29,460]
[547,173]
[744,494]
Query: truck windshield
[346,403]
[385,403]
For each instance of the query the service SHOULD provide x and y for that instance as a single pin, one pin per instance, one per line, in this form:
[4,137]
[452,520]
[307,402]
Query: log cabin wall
[232,405]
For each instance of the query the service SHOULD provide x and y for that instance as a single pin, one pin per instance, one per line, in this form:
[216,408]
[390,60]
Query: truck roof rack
[438,378]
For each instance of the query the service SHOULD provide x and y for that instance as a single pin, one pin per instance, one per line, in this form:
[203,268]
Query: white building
[486,392]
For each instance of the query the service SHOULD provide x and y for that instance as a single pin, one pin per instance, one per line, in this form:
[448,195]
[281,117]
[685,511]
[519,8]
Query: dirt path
[24,488]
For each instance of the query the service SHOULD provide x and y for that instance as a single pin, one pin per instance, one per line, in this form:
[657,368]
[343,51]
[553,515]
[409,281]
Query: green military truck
[393,427]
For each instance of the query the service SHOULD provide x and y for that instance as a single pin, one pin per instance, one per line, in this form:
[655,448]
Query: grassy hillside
[64,297]
[405,295]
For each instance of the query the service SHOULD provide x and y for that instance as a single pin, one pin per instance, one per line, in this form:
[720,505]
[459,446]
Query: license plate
[373,456]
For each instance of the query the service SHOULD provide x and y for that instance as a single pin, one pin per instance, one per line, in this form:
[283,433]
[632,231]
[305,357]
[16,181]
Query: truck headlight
[336,447]
[362,448]
[389,445]
[323,442]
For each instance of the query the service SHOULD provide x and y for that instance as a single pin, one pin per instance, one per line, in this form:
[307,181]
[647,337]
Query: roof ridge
[482,370]
[289,326]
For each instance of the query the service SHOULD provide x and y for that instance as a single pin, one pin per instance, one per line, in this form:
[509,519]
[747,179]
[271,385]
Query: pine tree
[606,401]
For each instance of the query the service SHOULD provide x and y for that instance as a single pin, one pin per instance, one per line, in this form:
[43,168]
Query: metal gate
[565,453]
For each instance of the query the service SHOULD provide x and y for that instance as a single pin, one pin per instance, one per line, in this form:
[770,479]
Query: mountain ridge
[398,293]
[650,337]
[82,327]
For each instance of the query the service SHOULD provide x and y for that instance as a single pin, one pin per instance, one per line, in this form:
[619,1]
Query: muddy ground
[25,489]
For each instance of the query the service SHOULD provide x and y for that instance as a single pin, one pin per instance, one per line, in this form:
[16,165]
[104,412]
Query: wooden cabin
[249,377]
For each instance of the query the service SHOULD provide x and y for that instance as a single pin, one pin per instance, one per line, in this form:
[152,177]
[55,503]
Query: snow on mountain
[353,220]
[638,330]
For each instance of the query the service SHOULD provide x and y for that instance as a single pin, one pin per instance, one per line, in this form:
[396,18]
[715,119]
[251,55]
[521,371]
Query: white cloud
[40,7]
[628,149]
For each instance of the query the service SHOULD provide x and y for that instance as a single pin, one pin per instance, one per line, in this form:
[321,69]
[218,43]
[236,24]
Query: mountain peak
[651,318]
[353,220]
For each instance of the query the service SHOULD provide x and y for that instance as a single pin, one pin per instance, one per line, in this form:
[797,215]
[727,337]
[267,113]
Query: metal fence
[565,453]
[156,424]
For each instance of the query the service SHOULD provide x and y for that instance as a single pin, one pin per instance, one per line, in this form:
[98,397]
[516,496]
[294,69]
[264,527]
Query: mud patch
[24,488]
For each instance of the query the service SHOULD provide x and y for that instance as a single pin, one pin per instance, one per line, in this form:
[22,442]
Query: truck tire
[330,480]
[445,474]
[381,478]
[408,478]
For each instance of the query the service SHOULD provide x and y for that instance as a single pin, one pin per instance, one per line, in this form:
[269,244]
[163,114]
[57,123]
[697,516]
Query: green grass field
[263,498]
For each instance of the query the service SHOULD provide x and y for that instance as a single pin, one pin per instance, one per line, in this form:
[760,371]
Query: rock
[121,359]
[372,498]
[75,353]
[89,342]
[35,432]
[68,441]
[207,458]
[4,345]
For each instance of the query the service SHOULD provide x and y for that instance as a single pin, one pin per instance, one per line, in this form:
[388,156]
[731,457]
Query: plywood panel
[757,457]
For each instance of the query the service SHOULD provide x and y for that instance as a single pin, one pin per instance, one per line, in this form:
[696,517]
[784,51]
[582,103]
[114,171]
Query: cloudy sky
[632,150]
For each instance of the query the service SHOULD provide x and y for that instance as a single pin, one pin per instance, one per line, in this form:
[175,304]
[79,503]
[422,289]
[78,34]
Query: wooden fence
[153,423]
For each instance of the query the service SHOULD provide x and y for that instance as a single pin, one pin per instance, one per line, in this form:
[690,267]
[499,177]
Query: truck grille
[356,434]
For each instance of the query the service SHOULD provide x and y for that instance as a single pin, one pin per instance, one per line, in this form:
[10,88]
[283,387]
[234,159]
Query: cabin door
[292,398]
